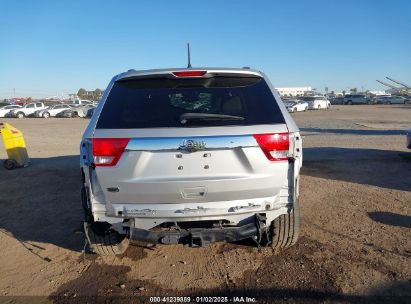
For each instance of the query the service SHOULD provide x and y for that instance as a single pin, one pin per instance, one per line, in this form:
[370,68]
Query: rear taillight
[107,151]
[189,73]
[274,145]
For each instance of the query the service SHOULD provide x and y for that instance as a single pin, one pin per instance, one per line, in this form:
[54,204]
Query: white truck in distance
[83,102]
[27,110]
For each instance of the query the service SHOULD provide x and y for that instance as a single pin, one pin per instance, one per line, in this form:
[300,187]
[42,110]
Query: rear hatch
[184,139]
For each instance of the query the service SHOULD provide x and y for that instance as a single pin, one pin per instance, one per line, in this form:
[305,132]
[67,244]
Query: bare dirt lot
[355,236]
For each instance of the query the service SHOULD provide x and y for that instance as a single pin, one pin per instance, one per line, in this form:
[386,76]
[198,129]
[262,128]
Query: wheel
[46,115]
[75,114]
[104,241]
[20,115]
[306,108]
[285,229]
[10,164]
[349,102]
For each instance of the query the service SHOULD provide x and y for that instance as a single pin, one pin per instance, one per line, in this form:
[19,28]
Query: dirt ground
[355,236]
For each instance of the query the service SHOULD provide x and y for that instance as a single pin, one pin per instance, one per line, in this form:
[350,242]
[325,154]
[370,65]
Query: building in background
[294,91]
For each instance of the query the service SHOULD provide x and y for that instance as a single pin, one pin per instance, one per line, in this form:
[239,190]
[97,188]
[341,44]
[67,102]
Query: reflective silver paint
[228,178]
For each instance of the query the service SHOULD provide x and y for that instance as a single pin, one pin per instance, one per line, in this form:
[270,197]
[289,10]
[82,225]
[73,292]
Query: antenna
[188,53]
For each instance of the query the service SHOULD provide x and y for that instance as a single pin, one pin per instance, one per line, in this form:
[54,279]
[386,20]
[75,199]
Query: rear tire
[286,228]
[104,241]
[46,115]
[20,115]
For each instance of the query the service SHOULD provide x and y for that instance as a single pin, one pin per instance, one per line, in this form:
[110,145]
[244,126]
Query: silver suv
[356,99]
[190,156]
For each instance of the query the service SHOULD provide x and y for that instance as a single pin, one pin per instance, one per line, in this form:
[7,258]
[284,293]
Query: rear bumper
[199,237]
[147,216]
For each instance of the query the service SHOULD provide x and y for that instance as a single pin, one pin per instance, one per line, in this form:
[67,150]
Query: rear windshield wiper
[184,118]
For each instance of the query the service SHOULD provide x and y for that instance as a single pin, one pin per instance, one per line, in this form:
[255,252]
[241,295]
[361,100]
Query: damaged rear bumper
[200,237]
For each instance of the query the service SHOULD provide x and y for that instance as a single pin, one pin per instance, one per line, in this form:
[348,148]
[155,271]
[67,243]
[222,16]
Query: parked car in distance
[4,110]
[80,111]
[296,106]
[27,110]
[316,102]
[379,99]
[352,99]
[394,100]
[409,139]
[339,100]
[184,156]
[51,111]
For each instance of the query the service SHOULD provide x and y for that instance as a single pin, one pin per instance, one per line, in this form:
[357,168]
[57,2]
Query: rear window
[160,102]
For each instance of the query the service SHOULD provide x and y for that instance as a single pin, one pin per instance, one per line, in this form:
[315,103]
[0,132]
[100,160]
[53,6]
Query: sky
[56,47]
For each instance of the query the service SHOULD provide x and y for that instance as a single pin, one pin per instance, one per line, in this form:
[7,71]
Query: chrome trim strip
[175,143]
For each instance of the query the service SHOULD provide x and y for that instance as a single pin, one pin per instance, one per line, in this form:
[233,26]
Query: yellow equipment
[15,147]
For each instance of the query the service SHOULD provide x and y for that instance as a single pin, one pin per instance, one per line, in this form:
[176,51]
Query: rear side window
[160,102]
